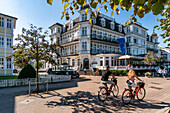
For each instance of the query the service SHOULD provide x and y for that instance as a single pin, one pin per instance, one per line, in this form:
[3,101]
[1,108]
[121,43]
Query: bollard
[29,88]
[47,86]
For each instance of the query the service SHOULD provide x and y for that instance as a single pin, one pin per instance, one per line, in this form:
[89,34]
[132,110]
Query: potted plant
[148,74]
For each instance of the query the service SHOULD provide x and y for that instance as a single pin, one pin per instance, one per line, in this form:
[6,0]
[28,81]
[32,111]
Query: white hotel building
[85,43]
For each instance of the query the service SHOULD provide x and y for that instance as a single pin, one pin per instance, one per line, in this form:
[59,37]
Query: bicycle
[128,94]
[104,92]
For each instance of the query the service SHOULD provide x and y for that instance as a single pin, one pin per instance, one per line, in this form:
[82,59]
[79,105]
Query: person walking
[160,72]
[164,72]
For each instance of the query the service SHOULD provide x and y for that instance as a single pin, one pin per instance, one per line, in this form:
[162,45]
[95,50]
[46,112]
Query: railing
[42,79]
[104,38]
[69,40]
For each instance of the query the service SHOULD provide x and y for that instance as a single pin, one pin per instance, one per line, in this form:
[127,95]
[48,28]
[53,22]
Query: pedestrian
[164,72]
[160,72]
[85,71]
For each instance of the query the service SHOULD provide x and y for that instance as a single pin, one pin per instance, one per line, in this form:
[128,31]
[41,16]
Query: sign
[122,44]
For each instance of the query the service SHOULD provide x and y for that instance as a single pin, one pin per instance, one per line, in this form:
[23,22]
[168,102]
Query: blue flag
[122,44]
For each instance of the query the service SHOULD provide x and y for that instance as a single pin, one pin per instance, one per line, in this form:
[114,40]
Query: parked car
[73,73]
[49,71]
[15,71]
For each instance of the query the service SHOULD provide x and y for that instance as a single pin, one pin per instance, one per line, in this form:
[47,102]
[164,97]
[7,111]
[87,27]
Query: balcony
[73,39]
[70,53]
[152,49]
[104,52]
[104,38]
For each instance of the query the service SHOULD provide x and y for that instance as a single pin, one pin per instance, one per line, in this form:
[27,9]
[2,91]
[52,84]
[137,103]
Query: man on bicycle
[105,77]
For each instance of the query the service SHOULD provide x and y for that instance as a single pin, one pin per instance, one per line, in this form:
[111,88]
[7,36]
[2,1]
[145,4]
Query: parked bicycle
[104,92]
[128,93]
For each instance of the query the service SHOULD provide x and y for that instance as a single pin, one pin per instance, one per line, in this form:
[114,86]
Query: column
[110,61]
[104,61]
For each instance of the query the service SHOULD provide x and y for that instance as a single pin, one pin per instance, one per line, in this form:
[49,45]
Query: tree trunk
[37,78]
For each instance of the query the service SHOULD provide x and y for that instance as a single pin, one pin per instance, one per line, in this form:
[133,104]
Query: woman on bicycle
[131,77]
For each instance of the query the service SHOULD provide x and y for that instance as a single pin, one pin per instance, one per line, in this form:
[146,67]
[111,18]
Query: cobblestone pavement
[80,95]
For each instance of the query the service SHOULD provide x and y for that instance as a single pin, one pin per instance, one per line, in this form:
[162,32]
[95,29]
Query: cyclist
[105,77]
[131,77]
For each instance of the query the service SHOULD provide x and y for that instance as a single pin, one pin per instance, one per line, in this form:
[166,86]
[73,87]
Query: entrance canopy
[128,57]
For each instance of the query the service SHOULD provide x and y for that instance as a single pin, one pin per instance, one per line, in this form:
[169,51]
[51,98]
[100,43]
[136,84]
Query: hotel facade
[7,25]
[95,44]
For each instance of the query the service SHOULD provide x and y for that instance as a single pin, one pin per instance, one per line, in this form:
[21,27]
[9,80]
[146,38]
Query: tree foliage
[33,46]
[40,64]
[150,58]
[140,8]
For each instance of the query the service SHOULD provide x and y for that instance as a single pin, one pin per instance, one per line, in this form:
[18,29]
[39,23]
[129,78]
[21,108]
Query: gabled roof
[8,16]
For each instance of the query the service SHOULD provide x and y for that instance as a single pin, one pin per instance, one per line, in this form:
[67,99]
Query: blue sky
[41,14]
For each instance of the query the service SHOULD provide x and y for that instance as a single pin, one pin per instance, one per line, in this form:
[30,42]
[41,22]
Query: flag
[122,44]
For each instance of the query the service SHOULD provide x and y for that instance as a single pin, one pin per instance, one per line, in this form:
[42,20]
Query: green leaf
[98,9]
[112,13]
[93,4]
[90,19]
[99,1]
[86,10]
[50,2]
[103,2]
[63,1]
[157,8]
[62,16]
[66,4]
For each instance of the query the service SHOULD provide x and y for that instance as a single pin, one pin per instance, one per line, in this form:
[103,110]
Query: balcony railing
[72,39]
[105,52]
[69,53]
[104,38]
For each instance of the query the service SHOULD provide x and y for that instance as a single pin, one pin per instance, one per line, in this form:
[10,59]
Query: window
[84,17]
[135,51]
[143,42]
[128,50]
[84,30]
[94,47]
[53,30]
[73,62]
[128,39]
[9,23]
[120,28]
[135,40]
[71,25]
[84,45]
[94,20]
[143,32]
[94,34]
[58,30]
[102,22]
[9,64]
[112,26]
[110,37]
[100,35]
[101,62]
[1,42]
[135,29]
[100,48]
[73,49]
[128,29]
[142,51]
[110,49]
[105,36]
[105,48]
[1,22]
[1,63]
[9,42]
[78,62]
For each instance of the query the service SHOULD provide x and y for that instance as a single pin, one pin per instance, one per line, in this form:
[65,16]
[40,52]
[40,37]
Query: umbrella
[128,57]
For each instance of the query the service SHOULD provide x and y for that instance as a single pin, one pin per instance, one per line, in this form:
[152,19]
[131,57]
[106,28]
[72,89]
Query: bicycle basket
[141,84]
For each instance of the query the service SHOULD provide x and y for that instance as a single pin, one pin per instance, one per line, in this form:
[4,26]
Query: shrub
[27,72]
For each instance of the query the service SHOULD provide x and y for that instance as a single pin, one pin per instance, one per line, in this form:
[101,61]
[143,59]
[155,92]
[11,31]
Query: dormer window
[120,28]
[84,17]
[53,30]
[58,30]
[94,20]
[64,28]
[103,22]
[112,25]
[71,24]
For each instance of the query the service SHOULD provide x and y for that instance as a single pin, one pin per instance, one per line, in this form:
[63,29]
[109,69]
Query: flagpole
[125,52]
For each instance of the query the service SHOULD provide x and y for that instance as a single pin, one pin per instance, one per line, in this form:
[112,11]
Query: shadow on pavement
[7,95]
[84,101]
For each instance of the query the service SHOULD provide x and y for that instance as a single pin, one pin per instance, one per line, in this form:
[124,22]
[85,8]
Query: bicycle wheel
[115,90]
[141,94]
[127,96]
[102,94]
